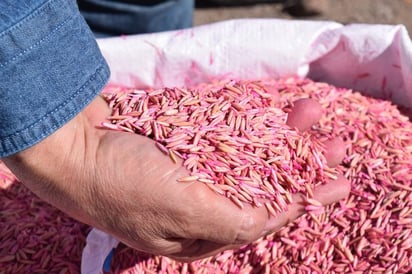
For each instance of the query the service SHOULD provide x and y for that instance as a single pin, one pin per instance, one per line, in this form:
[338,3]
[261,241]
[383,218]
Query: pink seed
[188,179]
[262,162]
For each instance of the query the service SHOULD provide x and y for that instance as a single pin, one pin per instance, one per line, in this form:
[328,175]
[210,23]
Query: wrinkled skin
[122,184]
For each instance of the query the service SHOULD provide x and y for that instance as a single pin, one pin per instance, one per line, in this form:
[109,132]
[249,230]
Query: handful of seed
[231,135]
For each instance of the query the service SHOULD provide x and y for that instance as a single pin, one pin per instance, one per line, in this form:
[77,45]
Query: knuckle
[200,195]
[199,202]
[250,229]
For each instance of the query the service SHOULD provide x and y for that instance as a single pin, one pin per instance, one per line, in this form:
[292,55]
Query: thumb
[326,194]
[219,220]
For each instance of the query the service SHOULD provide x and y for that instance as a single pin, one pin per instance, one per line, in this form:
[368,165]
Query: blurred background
[343,11]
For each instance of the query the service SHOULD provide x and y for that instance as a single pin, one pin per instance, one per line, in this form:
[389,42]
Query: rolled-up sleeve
[50,69]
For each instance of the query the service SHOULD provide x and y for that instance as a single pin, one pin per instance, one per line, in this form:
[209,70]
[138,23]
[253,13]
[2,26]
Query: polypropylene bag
[375,59]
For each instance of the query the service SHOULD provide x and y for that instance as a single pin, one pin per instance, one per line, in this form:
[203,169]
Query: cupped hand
[122,184]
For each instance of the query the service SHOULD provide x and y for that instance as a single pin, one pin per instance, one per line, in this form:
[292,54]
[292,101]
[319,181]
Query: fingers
[325,194]
[333,191]
[274,92]
[304,113]
[335,151]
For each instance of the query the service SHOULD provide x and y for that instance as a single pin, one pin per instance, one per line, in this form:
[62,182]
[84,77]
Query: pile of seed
[34,236]
[369,232]
[230,135]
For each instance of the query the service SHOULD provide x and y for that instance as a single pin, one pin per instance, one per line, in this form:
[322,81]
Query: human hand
[120,183]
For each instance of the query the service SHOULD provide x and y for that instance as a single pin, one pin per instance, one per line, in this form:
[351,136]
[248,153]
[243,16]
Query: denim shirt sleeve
[50,69]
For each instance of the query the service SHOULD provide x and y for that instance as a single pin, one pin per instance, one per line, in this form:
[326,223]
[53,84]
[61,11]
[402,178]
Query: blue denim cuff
[51,68]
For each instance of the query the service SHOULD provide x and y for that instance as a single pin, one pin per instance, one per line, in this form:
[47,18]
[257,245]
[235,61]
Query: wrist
[54,169]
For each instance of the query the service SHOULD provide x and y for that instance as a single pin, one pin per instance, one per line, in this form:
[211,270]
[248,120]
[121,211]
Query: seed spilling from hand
[232,134]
